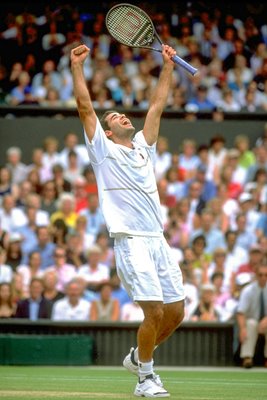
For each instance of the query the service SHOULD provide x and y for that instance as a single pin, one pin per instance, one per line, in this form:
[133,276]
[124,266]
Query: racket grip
[178,60]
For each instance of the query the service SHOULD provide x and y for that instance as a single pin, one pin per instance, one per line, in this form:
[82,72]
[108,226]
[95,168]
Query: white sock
[145,369]
[136,354]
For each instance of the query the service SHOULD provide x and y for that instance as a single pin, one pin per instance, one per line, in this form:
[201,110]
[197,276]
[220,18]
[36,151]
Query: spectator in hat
[246,206]
[14,255]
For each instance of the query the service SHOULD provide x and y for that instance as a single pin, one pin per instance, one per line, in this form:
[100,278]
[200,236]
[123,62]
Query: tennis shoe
[131,365]
[148,388]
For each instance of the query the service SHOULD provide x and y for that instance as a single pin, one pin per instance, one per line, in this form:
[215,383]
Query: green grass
[68,383]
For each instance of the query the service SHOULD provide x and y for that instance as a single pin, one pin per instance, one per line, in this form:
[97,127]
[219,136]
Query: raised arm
[81,93]
[159,96]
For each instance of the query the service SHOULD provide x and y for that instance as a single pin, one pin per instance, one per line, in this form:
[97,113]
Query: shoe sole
[158,395]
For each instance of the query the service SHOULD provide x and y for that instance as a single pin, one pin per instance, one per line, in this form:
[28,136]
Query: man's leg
[173,315]
[149,329]
[146,338]
[247,349]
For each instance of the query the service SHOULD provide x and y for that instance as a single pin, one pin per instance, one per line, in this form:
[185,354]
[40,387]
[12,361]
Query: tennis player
[123,164]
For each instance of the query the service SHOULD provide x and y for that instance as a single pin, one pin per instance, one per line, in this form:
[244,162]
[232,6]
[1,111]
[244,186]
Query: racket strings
[130,27]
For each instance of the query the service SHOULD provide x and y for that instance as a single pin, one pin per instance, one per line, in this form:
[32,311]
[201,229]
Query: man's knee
[153,311]
[174,312]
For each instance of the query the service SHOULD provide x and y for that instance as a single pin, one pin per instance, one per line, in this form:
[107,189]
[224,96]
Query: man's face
[36,290]
[262,276]
[119,125]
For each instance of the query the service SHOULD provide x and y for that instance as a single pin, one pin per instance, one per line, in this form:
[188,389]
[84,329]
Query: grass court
[92,383]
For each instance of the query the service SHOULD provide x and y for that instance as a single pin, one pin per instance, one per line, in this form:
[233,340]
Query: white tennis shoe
[131,365]
[148,388]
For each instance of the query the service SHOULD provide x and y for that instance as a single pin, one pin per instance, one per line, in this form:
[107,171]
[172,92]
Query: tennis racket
[131,26]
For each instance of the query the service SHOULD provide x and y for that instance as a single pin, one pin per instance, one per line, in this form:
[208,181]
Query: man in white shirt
[72,307]
[123,163]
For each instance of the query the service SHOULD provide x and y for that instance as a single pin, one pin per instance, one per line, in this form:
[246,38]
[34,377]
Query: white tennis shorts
[147,269]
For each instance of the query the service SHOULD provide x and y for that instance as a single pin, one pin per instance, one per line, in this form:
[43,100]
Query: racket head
[130,25]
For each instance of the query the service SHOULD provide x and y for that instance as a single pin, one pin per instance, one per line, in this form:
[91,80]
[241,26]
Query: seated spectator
[18,93]
[222,297]
[44,246]
[94,272]
[80,194]
[118,291]
[201,260]
[228,103]
[105,308]
[252,316]
[131,312]
[37,164]
[189,161]
[256,259]
[62,185]
[219,265]
[80,241]
[245,237]
[216,157]
[73,171]
[65,272]
[201,100]
[11,216]
[206,310]
[35,306]
[48,197]
[18,169]
[246,156]
[7,307]
[6,185]
[191,291]
[94,217]
[50,154]
[48,68]
[235,254]
[221,219]
[163,157]
[50,280]
[213,236]
[72,307]
[14,255]
[30,271]
[6,273]
[107,253]
[65,210]
[71,142]
[247,207]
[208,187]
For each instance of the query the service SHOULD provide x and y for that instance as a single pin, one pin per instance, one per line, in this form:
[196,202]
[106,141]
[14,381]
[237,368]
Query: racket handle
[178,60]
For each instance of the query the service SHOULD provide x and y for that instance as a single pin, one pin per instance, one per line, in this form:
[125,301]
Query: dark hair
[103,121]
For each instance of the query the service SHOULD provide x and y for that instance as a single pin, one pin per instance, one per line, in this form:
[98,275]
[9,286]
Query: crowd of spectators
[229,52]
[56,258]
[53,238]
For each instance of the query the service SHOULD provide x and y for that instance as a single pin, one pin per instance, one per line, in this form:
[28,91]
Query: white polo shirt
[127,186]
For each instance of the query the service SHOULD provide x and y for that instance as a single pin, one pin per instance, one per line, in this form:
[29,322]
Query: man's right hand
[79,54]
